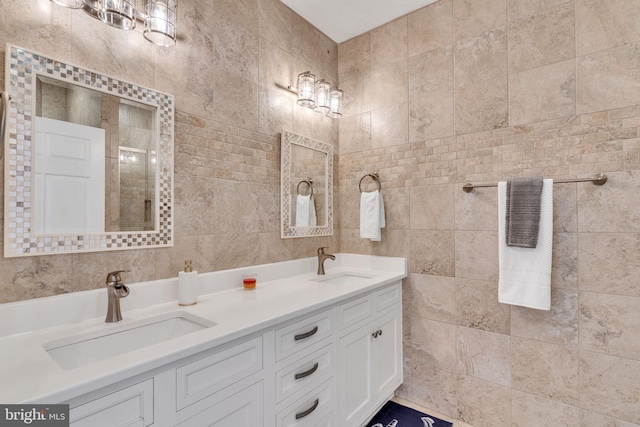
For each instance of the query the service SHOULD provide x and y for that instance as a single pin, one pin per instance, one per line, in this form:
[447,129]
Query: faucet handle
[114,276]
[321,249]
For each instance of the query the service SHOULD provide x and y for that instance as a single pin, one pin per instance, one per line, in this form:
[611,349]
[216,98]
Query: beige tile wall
[498,89]
[222,72]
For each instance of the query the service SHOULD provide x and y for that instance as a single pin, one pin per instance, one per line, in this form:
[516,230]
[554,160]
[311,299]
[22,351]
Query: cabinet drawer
[244,409]
[353,312]
[388,297]
[304,373]
[310,409]
[203,377]
[303,333]
[132,406]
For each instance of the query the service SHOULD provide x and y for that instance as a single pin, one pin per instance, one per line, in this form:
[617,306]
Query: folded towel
[305,211]
[525,273]
[371,215]
[523,212]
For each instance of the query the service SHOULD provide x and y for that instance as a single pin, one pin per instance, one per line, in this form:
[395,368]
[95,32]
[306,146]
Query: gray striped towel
[523,212]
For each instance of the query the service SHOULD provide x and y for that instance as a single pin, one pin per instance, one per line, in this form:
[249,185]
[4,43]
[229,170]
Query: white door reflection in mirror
[69,178]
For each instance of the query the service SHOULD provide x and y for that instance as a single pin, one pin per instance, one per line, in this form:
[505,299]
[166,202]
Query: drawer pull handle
[377,333]
[306,334]
[307,373]
[308,411]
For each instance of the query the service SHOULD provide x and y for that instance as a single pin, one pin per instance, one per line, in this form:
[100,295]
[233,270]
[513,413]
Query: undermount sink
[82,349]
[344,279]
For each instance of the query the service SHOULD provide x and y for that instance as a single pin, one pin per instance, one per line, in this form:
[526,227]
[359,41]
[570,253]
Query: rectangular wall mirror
[89,160]
[306,187]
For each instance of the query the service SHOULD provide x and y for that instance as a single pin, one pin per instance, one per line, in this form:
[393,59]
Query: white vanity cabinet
[333,367]
[369,353]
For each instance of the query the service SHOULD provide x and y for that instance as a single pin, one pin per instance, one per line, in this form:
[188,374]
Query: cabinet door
[386,364]
[244,409]
[129,407]
[354,380]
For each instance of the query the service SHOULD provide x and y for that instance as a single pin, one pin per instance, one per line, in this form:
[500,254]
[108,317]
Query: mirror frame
[22,68]
[287,231]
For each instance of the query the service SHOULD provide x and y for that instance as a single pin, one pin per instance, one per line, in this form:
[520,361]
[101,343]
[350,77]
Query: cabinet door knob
[307,373]
[308,411]
[306,334]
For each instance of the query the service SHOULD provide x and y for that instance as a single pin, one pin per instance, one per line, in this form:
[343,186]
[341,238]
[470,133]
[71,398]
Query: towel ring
[373,176]
[309,183]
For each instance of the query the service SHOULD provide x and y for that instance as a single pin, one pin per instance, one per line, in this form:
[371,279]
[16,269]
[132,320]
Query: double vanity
[301,349]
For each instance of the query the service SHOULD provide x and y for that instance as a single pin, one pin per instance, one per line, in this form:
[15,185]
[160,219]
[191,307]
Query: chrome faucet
[322,256]
[116,290]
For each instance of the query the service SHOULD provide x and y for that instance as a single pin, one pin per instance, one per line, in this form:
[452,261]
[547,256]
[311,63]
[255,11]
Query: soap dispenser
[187,285]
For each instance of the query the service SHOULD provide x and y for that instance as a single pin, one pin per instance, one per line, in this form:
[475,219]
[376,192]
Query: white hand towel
[313,219]
[372,217]
[305,211]
[525,273]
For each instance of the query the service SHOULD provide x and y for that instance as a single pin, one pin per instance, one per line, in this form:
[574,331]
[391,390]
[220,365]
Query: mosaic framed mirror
[88,160]
[306,190]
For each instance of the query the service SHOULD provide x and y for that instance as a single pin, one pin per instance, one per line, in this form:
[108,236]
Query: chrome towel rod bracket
[597,179]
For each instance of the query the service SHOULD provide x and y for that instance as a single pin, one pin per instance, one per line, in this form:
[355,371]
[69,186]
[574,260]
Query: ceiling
[345,19]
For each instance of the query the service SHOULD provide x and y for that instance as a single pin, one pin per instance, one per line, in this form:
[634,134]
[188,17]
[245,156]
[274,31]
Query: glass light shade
[91,8]
[306,90]
[73,4]
[117,13]
[160,22]
[335,110]
[323,96]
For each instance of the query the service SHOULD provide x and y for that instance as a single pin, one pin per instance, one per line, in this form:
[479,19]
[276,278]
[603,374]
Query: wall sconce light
[317,95]
[159,16]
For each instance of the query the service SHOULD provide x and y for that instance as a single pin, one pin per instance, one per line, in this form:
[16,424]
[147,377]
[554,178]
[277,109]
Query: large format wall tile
[432,208]
[542,93]
[471,17]
[610,208]
[606,24]
[484,355]
[430,27]
[478,306]
[477,255]
[608,263]
[528,410]
[434,298]
[546,370]
[522,8]
[389,42]
[354,56]
[431,72]
[556,326]
[610,386]
[431,116]
[482,403]
[542,39]
[588,418]
[425,332]
[481,106]
[608,79]
[480,57]
[432,252]
[609,324]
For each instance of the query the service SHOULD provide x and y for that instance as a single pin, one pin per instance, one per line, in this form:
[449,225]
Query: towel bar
[597,179]
[374,176]
[309,183]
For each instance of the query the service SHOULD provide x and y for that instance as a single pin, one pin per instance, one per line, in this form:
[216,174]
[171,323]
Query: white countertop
[285,290]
